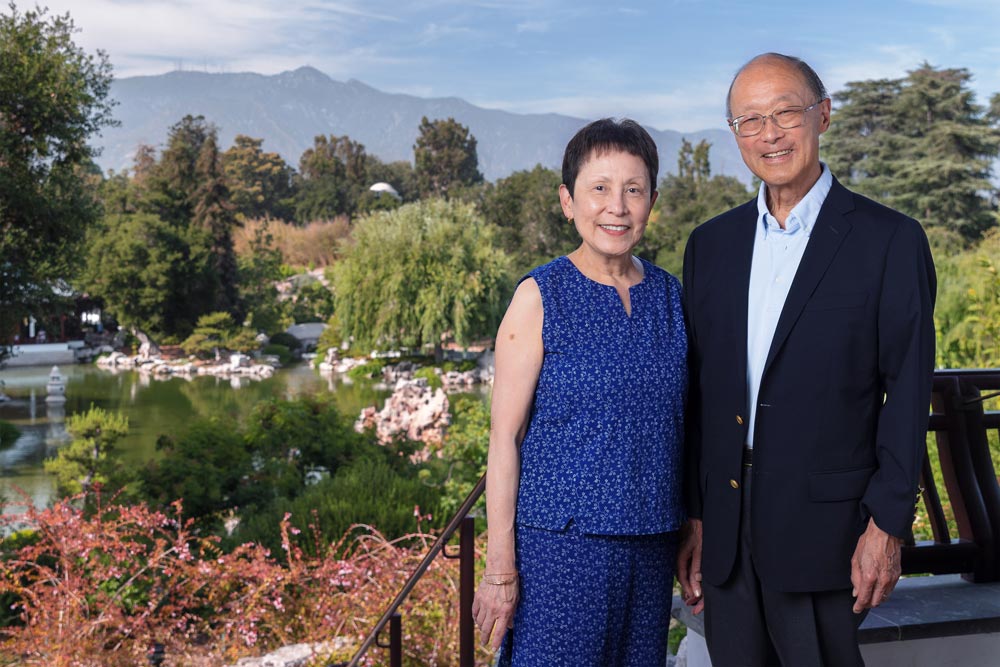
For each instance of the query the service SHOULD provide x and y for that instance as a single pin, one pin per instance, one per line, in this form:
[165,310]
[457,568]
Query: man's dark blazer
[844,398]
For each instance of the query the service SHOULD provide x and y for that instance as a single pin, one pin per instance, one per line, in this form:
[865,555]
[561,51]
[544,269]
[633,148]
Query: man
[812,353]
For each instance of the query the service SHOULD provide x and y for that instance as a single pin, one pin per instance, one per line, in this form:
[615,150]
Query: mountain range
[288,110]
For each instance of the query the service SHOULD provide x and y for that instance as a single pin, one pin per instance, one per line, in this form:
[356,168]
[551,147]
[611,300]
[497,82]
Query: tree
[214,217]
[333,176]
[687,199]
[525,207]
[205,466]
[142,268]
[173,261]
[419,273]
[259,269]
[920,144]
[445,157]
[216,332]
[170,185]
[53,97]
[260,184]
[90,458]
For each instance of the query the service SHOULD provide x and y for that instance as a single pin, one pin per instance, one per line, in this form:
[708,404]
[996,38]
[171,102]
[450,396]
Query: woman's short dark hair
[606,135]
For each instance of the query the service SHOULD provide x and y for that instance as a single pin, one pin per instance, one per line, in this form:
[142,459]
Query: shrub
[8,433]
[428,373]
[463,366]
[286,339]
[101,589]
[368,369]
[281,351]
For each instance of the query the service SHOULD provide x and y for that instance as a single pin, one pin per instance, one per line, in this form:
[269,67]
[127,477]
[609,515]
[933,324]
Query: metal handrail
[435,549]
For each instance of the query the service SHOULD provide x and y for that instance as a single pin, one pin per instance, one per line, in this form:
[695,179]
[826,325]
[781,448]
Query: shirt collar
[805,213]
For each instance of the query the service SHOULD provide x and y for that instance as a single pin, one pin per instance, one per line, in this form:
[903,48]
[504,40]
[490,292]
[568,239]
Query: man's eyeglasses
[786,119]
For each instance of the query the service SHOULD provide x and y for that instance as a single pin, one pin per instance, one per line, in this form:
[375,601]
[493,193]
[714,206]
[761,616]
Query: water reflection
[153,408]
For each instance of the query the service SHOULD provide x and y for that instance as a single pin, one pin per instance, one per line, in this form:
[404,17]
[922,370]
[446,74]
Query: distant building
[384,188]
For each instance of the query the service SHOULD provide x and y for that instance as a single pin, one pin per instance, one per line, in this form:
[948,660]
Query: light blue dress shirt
[776,256]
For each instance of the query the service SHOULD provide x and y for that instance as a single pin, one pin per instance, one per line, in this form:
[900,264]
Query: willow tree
[421,274]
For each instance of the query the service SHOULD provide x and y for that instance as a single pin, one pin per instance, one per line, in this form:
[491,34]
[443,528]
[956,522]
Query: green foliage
[919,144]
[261,184]
[331,337]
[281,351]
[463,366]
[53,97]
[216,332]
[464,452]
[368,369]
[444,157]
[172,259]
[140,267]
[91,457]
[369,491]
[8,434]
[312,302]
[687,199]
[525,208]
[204,466]
[967,313]
[428,373]
[419,273]
[334,174]
[286,339]
[214,217]
[259,268]
[290,437]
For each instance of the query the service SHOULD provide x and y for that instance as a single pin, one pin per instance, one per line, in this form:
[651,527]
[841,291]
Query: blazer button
[739,420]
[733,483]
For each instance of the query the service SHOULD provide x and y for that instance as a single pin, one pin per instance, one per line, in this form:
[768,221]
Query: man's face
[783,159]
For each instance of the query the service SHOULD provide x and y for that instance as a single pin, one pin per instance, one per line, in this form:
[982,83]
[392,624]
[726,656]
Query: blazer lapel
[828,233]
[738,278]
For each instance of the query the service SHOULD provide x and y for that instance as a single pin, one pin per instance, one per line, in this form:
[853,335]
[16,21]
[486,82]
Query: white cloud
[533,26]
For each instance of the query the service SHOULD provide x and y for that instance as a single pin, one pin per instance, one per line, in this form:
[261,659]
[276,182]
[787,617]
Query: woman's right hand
[493,607]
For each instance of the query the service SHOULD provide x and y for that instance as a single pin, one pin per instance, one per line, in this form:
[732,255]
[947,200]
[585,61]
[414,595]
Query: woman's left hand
[493,607]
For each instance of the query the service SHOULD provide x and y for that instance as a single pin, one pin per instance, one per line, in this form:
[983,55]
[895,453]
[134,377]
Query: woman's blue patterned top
[603,445]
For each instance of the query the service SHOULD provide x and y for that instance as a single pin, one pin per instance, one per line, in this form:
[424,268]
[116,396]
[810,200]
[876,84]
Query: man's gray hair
[808,75]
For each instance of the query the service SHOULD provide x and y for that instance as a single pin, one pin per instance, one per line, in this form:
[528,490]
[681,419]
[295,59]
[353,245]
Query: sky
[665,63]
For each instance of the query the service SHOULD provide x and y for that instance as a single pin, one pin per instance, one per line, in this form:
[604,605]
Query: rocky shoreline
[238,365]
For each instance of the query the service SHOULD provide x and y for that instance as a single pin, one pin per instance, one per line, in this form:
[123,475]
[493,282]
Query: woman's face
[610,203]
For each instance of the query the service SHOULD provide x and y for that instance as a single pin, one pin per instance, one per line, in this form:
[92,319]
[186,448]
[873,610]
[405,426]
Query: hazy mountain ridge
[289,109]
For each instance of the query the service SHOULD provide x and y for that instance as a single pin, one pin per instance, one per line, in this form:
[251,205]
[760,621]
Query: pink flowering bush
[103,588]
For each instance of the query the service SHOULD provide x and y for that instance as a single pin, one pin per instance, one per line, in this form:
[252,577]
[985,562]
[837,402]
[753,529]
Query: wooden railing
[961,428]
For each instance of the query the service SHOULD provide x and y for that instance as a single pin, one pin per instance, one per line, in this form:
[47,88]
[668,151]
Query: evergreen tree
[53,97]
[213,214]
[445,157]
[525,208]
[260,184]
[91,457]
[334,174]
[920,144]
[141,267]
[687,199]
[169,186]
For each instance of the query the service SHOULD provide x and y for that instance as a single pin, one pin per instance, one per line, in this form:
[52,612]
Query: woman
[583,481]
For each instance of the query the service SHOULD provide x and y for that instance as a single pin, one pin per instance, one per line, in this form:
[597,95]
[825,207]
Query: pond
[153,407]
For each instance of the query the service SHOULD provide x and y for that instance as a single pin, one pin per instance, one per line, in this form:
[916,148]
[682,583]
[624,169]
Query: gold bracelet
[500,579]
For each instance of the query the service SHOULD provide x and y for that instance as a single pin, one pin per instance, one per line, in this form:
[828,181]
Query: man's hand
[689,565]
[875,567]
